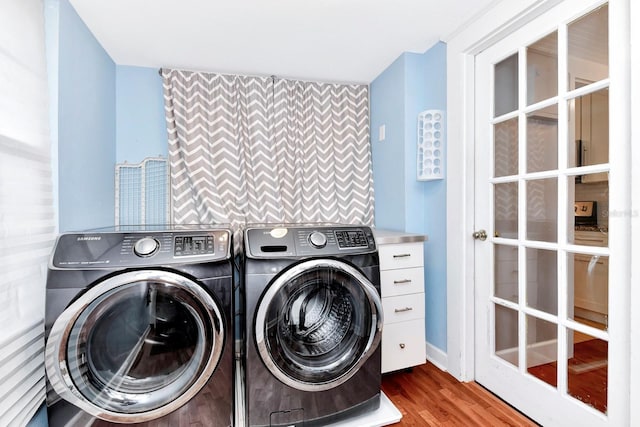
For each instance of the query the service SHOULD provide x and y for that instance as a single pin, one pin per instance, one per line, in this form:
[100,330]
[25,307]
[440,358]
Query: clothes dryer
[138,328]
[313,322]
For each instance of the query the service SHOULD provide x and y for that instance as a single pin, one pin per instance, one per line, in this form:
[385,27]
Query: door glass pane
[542,209]
[542,350]
[542,139]
[591,130]
[506,272]
[506,334]
[505,142]
[542,280]
[588,276]
[542,69]
[506,86]
[506,210]
[587,370]
[589,46]
[590,212]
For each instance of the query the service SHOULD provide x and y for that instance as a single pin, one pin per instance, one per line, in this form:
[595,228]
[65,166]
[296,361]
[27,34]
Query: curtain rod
[273,76]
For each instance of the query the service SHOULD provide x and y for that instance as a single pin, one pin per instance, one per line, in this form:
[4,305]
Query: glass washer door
[317,323]
[136,346]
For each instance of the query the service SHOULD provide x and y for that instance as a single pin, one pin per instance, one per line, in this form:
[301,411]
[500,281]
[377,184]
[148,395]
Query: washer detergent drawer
[401,255]
[402,345]
[402,281]
[403,308]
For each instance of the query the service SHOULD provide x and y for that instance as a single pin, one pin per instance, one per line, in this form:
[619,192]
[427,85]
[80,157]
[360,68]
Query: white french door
[542,281]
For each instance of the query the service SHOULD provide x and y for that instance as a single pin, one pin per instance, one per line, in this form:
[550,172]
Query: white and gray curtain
[266,150]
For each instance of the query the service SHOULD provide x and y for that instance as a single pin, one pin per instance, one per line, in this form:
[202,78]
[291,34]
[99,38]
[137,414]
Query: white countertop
[386,237]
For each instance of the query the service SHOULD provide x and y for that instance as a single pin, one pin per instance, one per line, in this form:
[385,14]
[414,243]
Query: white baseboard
[436,356]
[537,353]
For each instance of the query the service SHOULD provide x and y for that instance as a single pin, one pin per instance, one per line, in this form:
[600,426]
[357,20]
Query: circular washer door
[317,323]
[136,346]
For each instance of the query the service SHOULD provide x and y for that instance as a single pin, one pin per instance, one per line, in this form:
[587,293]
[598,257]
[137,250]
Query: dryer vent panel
[431,143]
[142,192]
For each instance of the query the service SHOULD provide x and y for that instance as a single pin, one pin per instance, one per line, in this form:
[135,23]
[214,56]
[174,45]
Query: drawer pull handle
[401,310]
[402,345]
[402,255]
[400,282]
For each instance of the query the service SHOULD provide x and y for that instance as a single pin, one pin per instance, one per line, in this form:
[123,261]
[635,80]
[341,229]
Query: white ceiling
[325,40]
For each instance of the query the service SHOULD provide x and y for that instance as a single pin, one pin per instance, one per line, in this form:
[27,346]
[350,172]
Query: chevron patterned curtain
[252,150]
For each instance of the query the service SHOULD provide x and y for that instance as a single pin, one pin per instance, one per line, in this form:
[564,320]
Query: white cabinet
[402,287]
[589,118]
[593,126]
[591,279]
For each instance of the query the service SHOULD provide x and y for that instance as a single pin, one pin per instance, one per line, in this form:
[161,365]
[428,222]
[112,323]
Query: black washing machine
[313,323]
[138,328]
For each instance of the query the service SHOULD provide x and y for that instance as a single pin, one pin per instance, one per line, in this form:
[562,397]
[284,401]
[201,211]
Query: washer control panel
[352,239]
[194,245]
[291,241]
[136,249]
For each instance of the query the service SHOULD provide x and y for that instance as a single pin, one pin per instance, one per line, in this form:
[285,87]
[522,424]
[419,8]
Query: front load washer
[313,322]
[138,328]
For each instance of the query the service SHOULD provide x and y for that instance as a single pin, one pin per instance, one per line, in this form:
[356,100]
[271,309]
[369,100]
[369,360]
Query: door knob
[480,235]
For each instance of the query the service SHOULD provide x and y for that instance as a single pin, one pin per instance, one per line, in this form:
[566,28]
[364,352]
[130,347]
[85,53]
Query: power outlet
[381,133]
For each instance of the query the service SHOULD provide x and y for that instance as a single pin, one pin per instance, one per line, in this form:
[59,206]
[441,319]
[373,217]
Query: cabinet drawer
[402,281]
[403,345]
[403,308]
[401,255]
[591,238]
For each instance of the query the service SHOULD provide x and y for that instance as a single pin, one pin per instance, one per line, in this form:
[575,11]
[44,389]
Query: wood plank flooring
[587,373]
[428,396]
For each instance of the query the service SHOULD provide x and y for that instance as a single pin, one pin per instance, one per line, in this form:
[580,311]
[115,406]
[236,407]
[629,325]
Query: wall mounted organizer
[431,144]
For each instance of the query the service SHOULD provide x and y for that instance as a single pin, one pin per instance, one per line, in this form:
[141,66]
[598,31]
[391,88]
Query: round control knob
[318,239]
[146,246]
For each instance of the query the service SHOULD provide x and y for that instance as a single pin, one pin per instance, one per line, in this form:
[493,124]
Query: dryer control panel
[140,248]
[292,241]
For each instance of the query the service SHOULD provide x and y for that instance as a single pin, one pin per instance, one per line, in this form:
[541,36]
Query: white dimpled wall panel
[430,145]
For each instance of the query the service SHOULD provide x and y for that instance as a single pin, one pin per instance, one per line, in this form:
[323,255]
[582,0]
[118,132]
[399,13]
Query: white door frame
[500,19]
[635,210]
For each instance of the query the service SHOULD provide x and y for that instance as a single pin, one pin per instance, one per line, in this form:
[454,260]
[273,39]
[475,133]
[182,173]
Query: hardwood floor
[587,373]
[428,396]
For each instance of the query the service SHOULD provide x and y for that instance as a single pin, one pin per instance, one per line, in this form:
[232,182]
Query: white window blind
[27,221]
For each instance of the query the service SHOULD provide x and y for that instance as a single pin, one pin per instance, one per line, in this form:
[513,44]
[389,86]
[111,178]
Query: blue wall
[411,84]
[86,126]
[387,107]
[415,101]
[110,114]
[435,219]
[141,129]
